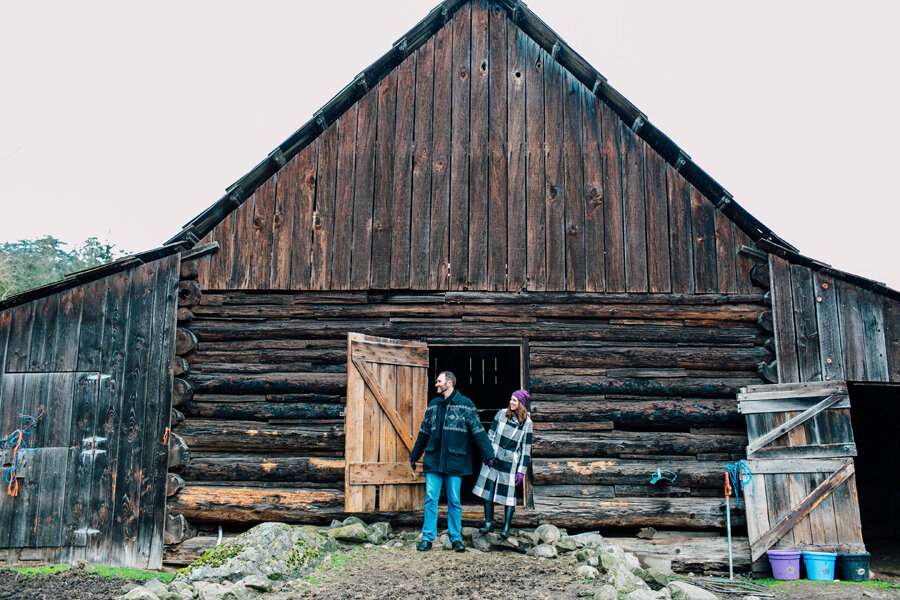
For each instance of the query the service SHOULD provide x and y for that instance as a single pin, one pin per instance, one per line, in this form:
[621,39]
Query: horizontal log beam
[700,387]
[609,444]
[206,466]
[728,358]
[616,471]
[276,383]
[683,513]
[233,504]
[263,411]
[651,413]
[220,435]
[691,554]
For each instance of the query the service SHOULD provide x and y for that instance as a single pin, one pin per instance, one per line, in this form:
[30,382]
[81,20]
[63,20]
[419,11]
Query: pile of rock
[276,557]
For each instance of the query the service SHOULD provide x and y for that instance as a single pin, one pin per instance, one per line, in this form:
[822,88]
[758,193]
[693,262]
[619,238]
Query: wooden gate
[387,386]
[800,453]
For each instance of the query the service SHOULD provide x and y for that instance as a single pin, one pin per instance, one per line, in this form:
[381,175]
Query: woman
[510,436]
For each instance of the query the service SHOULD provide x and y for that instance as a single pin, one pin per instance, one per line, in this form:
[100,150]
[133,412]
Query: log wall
[831,330]
[621,385]
[98,359]
[479,163]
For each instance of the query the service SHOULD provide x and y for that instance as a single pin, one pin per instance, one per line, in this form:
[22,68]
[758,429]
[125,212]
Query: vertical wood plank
[85,400]
[635,212]
[499,230]
[242,240]
[384,173]
[323,216]
[371,420]
[120,469]
[403,159]
[798,489]
[204,261]
[439,238]
[353,429]
[891,311]
[574,185]
[154,464]
[658,276]
[806,330]
[5,326]
[594,198]
[419,403]
[554,174]
[778,493]
[19,341]
[387,446]
[262,226]
[704,229]
[343,200]
[783,315]
[517,217]
[12,399]
[828,324]
[536,207]
[55,461]
[846,504]
[283,240]
[68,328]
[43,333]
[479,152]
[220,262]
[613,208]
[459,136]
[681,247]
[875,346]
[363,201]
[726,259]
[852,331]
[404,493]
[423,152]
[90,336]
[304,216]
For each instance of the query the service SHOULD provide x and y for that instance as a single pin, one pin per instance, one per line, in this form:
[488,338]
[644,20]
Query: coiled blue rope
[740,476]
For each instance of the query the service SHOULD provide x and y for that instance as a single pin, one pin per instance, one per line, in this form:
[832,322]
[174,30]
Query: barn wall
[98,359]
[828,329]
[622,384]
[479,163]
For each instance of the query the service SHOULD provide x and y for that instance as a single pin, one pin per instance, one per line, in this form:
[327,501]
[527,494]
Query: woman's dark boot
[488,517]
[507,520]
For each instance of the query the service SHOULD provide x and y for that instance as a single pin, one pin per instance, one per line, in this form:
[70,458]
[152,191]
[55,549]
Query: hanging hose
[17,440]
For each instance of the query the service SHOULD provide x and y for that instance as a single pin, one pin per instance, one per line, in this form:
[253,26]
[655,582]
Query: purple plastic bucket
[785,564]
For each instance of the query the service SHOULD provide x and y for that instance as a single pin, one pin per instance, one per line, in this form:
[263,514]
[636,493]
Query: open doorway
[488,375]
[875,412]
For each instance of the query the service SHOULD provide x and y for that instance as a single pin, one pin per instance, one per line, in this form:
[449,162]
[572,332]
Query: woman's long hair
[520,413]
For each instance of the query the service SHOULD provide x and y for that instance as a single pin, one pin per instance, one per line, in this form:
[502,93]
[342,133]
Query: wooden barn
[478,200]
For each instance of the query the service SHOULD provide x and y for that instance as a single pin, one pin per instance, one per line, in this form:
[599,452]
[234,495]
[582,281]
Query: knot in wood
[463,73]
[551,193]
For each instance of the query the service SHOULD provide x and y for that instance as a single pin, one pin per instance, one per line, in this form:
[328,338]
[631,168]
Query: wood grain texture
[343,200]
[704,238]
[575,208]
[323,213]
[725,254]
[681,247]
[423,153]
[594,198]
[363,197]
[499,227]
[439,243]
[402,175]
[286,208]
[460,137]
[635,212]
[536,207]
[304,217]
[517,146]
[382,215]
[783,313]
[657,201]
[479,147]
[262,227]
[613,202]
[554,173]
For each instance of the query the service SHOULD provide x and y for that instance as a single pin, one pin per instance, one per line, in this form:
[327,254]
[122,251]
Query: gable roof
[551,43]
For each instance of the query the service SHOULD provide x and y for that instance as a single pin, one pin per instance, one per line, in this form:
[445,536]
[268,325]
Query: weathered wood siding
[98,358]
[479,163]
[828,330]
[621,384]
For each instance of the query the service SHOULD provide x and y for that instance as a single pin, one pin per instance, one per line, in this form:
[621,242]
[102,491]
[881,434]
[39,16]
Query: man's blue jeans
[433,482]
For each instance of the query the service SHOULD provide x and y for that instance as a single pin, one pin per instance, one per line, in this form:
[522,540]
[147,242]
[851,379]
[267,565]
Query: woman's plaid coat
[512,454]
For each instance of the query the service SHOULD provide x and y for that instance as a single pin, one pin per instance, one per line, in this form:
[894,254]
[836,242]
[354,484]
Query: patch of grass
[103,572]
[40,570]
[133,574]
[336,562]
[778,583]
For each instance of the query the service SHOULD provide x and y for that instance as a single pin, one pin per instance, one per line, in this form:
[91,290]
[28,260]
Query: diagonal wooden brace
[382,398]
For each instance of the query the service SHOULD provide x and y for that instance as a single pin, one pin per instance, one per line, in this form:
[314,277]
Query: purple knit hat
[522,396]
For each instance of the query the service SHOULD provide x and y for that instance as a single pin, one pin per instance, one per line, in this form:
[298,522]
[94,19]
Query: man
[449,425]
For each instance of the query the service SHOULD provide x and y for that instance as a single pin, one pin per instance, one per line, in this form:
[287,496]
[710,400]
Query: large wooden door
[387,387]
[800,453]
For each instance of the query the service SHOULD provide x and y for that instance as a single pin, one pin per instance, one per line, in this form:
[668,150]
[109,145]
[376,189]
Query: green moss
[301,554]
[777,583]
[103,572]
[218,555]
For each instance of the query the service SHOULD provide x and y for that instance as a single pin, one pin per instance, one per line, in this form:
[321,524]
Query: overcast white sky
[124,120]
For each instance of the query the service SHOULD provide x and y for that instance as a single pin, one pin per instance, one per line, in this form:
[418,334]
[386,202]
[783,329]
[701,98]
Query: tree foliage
[28,264]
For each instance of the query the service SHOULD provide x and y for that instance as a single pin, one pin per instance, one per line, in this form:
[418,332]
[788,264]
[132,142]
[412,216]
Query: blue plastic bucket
[819,565]
[785,564]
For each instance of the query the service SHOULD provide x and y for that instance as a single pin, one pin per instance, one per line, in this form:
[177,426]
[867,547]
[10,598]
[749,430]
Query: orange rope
[166,436]
[12,482]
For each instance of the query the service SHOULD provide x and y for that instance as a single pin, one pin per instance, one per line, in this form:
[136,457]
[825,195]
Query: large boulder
[353,532]
[589,539]
[606,592]
[547,533]
[684,591]
[544,551]
[624,580]
[647,595]
[270,551]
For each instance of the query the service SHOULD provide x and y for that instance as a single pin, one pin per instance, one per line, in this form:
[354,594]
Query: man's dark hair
[449,377]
